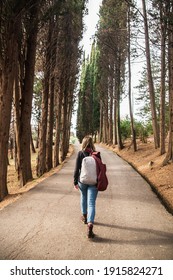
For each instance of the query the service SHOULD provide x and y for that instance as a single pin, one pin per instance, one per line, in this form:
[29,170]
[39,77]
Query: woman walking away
[88,190]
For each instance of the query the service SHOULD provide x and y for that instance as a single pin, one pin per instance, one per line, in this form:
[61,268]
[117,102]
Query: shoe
[90,231]
[84,218]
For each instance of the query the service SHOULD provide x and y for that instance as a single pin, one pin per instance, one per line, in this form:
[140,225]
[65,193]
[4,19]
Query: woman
[88,192]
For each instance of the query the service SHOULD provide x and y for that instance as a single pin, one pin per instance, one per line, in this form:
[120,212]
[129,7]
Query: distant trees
[103,76]
[88,99]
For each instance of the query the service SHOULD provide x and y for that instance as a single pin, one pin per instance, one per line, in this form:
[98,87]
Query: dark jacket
[77,170]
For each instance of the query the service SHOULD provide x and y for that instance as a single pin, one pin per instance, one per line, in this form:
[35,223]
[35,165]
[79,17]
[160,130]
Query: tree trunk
[163,75]
[17,98]
[150,80]
[32,144]
[111,111]
[100,138]
[58,129]
[64,126]
[38,133]
[115,121]
[119,138]
[6,94]
[105,113]
[133,132]
[11,148]
[169,155]
[24,169]
[105,123]
[49,160]
[41,159]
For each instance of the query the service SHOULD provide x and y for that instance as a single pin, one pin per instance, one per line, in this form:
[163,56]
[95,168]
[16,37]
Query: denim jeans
[88,201]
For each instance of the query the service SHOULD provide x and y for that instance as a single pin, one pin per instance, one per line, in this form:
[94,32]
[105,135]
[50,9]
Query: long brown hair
[87,142]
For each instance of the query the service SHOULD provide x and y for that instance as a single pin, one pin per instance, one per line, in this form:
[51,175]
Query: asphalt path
[131,223]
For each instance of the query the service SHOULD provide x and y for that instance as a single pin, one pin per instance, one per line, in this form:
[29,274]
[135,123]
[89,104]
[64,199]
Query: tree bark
[119,138]
[64,126]
[111,110]
[57,128]
[24,168]
[100,138]
[105,118]
[163,75]
[169,155]
[49,146]
[41,159]
[115,121]
[32,145]
[133,132]
[150,80]
[8,64]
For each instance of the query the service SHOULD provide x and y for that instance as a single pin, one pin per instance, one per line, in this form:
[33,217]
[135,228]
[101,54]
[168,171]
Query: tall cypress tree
[88,104]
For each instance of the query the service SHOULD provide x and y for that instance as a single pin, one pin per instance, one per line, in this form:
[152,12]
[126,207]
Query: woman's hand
[76,187]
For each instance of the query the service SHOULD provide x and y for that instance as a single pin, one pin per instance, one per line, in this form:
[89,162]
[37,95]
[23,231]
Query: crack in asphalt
[22,246]
[27,238]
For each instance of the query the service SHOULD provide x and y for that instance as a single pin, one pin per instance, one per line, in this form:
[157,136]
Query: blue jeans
[88,200]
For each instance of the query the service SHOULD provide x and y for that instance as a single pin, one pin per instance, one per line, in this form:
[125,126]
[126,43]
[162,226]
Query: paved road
[131,223]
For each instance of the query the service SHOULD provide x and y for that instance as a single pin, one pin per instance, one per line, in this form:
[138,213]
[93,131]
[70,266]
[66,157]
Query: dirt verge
[148,162]
[14,189]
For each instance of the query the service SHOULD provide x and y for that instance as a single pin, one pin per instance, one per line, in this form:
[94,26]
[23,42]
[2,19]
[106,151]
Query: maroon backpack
[102,180]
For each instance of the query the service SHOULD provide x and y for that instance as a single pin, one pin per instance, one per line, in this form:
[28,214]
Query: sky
[90,22]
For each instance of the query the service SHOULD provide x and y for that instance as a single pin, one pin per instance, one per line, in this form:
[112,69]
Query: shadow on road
[142,236]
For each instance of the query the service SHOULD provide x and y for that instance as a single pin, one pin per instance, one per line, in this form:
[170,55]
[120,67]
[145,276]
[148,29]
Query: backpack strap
[96,154]
[97,159]
[84,154]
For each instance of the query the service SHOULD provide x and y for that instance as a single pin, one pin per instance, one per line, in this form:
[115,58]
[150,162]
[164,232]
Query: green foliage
[143,130]
[125,128]
[72,139]
[88,113]
[143,99]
